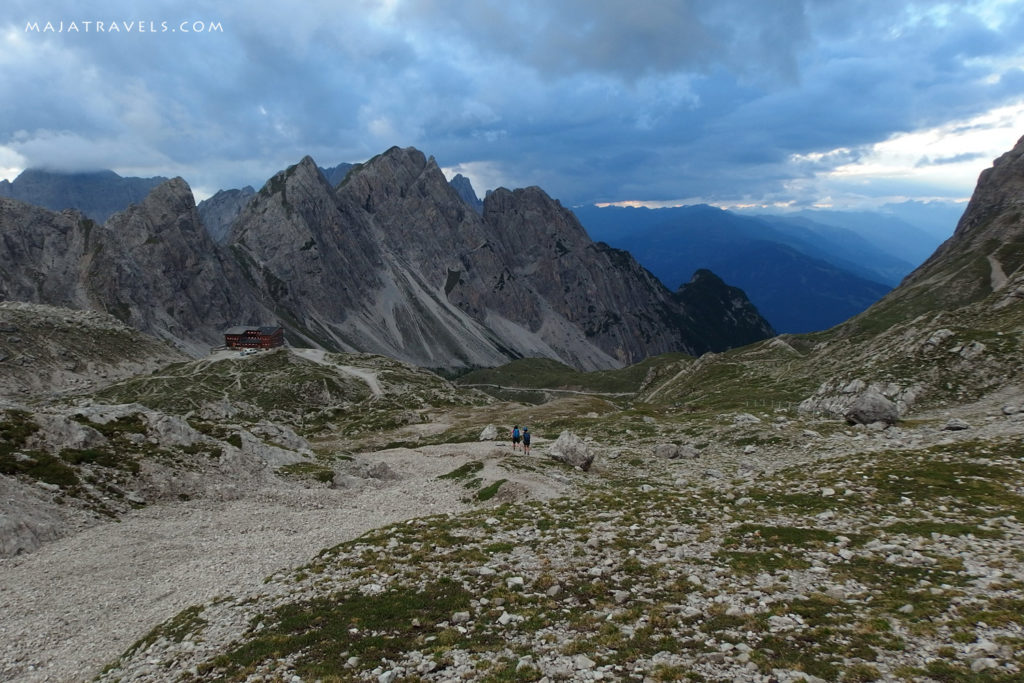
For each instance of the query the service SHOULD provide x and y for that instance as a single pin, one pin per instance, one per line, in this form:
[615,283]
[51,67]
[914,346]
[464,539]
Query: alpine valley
[701,500]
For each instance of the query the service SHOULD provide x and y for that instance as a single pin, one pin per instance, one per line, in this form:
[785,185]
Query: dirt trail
[77,603]
[319,356]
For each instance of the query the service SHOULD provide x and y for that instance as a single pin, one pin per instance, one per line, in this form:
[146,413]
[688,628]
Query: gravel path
[78,603]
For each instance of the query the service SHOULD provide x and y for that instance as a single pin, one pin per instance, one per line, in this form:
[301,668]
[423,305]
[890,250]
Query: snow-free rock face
[391,261]
[984,254]
[394,261]
[151,266]
[464,188]
[219,212]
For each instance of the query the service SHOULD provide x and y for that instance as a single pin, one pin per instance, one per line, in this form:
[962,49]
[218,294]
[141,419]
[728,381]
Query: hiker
[515,437]
[526,440]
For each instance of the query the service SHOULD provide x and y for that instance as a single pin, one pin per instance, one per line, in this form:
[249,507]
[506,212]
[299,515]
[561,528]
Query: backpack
[515,433]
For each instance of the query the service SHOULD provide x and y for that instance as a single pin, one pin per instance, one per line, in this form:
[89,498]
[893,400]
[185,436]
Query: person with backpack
[515,437]
[526,440]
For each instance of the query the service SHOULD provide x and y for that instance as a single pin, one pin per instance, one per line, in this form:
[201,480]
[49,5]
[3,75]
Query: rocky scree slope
[811,556]
[47,351]
[216,429]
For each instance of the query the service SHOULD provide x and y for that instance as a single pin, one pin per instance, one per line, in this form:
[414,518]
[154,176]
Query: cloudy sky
[842,103]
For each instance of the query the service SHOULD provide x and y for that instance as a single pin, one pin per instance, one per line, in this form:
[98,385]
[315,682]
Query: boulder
[571,450]
[955,424]
[489,433]
[871,407]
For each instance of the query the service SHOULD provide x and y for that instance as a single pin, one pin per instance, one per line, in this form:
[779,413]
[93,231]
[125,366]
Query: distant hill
[97,194]
[885,232]
[800,277]
[335,174]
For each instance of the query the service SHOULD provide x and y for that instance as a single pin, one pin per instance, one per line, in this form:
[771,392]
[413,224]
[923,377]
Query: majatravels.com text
[124,27]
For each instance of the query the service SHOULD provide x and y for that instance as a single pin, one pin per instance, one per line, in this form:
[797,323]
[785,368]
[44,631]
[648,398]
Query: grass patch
[99,456]
[313,470]
[488,492]
[464,472]
[40,466]
[320,634]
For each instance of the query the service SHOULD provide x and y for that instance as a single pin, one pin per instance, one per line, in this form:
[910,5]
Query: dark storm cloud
[592,100]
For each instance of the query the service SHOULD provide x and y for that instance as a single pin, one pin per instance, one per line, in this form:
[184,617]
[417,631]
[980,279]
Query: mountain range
[391,260]
[801,274]
[96,194]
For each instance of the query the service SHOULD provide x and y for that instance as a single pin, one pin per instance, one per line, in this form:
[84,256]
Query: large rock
[27,518]
[871,407]
[674,451]
[571,450]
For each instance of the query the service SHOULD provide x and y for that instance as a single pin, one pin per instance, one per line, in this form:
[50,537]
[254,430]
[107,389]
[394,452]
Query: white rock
[582,662]
[984,663]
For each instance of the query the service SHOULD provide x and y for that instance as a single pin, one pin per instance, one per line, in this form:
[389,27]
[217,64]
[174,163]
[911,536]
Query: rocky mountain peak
[220,211]
[998,195]
[464,188]
[391,261]
[984,253]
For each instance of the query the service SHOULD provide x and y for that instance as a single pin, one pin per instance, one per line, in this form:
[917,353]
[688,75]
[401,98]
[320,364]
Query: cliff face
[219,212]
[391,261]
[394,260]
[152,266]
[982,256]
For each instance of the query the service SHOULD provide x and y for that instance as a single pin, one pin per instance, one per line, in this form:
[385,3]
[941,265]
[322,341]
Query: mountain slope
[97,194]
[391,261]
[394,261]
[220,211]
[982,256]
[951,333]
[152,266]
[783,271]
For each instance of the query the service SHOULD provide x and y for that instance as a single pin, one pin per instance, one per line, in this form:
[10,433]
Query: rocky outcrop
[981,257]
[45,350]
[871,407]
[98,194]
[572,450]
[464,188]
[221,210]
